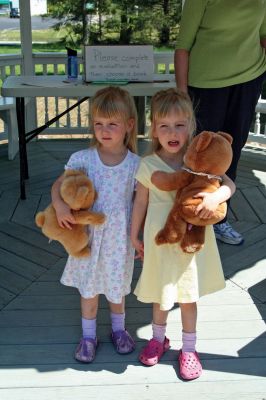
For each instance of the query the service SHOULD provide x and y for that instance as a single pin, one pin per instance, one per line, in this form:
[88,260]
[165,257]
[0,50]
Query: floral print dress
[108,270]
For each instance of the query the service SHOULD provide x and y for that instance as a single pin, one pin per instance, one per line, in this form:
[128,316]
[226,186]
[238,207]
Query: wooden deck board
[32,235]
[26,250]
[253,233]
[62,353]
[12,281]
[249,390]
[40,318]
[132,373]
[68,333]
[256,198]
[21,266]
[72,301]
[142,315]
[242,209]
[5,296]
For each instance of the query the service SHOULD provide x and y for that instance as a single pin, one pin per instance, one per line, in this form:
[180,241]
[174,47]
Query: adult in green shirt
[220,61]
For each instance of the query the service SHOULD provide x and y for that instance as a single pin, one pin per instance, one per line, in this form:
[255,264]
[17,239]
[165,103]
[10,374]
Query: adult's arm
[181,61]
[192,14]
[263,31]
[263,42]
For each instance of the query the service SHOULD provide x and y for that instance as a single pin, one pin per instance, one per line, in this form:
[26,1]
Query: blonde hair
[114,102]
[165,101]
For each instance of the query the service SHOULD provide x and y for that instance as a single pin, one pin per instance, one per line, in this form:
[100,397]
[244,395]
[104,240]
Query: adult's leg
[210,106]
[240,112]
[230,109]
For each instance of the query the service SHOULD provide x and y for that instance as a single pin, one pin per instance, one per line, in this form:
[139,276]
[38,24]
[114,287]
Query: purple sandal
[123,342]
[85,351]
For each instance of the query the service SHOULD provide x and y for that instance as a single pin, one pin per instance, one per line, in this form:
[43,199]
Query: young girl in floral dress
[111,164]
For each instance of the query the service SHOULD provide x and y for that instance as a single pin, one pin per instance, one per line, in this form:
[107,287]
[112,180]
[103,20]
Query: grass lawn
[49,40]
[43,35]
[36,48]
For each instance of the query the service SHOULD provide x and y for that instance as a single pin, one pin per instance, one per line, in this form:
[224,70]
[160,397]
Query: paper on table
[48,81]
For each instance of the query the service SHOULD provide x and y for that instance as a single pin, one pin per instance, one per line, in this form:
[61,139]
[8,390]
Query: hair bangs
[109,106]
[167,101]
[114,102]
[168,106]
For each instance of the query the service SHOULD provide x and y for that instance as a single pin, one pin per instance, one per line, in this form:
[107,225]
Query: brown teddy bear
[78,192]
[207,158]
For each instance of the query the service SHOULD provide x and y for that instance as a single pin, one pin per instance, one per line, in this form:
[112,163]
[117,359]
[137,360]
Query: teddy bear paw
[160,238]
[99,219]
[192,248]
[86,252]
[163,237]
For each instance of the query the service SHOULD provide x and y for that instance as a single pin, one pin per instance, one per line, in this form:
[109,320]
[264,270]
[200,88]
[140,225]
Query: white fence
[76,122]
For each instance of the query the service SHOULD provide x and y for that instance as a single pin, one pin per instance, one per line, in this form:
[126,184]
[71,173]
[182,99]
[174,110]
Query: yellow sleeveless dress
[169,275]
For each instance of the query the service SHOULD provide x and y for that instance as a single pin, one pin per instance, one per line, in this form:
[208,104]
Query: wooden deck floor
[40,319]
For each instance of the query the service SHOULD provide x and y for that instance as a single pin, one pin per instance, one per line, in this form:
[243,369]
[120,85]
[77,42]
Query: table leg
[26,137]
[20,107]
[140,102]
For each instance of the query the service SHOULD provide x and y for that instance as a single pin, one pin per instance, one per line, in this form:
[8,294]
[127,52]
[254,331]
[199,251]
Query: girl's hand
[64,216]
[209,204]
[139,247]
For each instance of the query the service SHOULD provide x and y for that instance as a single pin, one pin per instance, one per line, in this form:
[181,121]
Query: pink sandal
[153,351]
[189,365]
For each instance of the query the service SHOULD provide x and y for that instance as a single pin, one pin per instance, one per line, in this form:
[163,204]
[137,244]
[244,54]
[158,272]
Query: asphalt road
[36,22]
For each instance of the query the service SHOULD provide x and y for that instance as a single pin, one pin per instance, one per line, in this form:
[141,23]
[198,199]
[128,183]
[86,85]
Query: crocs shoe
[189,365]
[85,351]
[153,351]
[226,234]
[123,342]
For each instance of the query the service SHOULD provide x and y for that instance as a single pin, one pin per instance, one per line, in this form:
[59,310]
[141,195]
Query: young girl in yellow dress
[169,275]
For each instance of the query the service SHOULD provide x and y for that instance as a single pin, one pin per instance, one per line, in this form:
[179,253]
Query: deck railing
[76,122]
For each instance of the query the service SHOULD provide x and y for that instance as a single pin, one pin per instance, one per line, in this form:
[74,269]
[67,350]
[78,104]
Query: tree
[117,21]
[166,15]
[71,16]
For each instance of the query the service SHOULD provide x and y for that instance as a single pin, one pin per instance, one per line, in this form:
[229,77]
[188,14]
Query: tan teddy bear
[207,158]
[78,192]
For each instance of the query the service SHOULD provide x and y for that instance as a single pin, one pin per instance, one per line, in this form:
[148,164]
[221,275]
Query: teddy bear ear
[226,136]
[203,140]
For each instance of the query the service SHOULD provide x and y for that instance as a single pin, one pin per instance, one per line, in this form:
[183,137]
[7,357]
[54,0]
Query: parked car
[14,13]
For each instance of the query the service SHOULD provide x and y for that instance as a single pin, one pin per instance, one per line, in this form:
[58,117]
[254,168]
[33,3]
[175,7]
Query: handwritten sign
[118,63]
